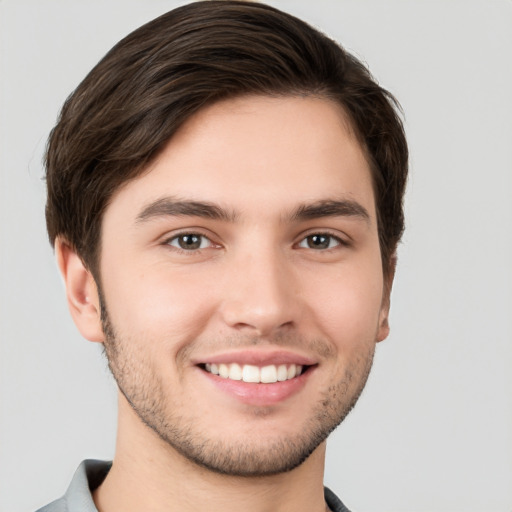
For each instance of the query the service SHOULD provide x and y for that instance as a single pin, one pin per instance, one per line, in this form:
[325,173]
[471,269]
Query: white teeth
[268,374]
[235,372]
[250,373]
[224,371]
[282,373]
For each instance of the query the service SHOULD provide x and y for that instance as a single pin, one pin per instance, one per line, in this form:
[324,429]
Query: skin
[257,286]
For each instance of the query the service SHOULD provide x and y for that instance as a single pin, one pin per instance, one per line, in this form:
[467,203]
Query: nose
[260,294]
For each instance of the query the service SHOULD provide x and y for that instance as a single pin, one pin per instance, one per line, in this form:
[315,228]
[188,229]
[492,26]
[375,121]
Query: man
[225,201]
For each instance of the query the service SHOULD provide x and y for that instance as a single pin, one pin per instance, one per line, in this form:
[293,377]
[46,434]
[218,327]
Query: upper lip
[258,358]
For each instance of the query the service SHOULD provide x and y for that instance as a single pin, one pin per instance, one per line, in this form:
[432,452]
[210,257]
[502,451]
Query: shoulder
[78,497]
[333,502]
[55,506]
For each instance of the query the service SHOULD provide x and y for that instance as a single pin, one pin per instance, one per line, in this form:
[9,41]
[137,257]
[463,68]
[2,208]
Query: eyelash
[196,234]
[339,242]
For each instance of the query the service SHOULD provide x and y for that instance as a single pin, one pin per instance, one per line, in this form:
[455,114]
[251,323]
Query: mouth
[249,373]
[256,377]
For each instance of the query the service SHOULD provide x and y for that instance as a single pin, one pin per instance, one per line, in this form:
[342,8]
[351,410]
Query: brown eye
[319,241]
[189,242]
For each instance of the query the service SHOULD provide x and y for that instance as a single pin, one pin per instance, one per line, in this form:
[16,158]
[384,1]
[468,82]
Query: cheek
[159,303]
[347,305]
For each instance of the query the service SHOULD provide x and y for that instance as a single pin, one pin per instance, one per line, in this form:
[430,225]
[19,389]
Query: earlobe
[383,330]
[81,292]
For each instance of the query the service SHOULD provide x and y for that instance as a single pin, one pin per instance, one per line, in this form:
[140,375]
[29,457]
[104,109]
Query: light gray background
[433,429]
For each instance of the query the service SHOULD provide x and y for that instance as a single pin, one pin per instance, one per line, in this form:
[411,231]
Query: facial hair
[145,391]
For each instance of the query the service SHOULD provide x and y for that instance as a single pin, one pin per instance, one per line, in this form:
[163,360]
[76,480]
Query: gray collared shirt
[91,473]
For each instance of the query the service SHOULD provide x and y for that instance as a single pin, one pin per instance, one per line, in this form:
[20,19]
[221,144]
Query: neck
[148,474]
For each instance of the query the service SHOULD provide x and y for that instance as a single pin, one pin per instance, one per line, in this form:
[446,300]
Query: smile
[255,374]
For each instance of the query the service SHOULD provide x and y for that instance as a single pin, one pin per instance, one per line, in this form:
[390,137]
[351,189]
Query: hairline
[141,170]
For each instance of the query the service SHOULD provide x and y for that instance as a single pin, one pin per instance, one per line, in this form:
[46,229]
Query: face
[242,284]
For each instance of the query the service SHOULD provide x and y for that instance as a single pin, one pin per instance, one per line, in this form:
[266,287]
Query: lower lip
[258,393]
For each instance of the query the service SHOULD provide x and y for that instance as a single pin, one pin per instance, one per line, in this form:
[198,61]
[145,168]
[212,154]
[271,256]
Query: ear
[383,330]
[81,292]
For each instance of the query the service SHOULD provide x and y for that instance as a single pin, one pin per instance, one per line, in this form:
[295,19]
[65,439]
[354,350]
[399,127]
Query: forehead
[279,151]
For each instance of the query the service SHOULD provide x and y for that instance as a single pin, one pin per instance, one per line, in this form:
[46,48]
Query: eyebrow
[169,206]
[331,208]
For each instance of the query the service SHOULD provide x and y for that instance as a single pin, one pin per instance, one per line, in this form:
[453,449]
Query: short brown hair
[133,101]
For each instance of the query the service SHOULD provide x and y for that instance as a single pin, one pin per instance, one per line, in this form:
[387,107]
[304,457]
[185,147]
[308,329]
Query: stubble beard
[146,394]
